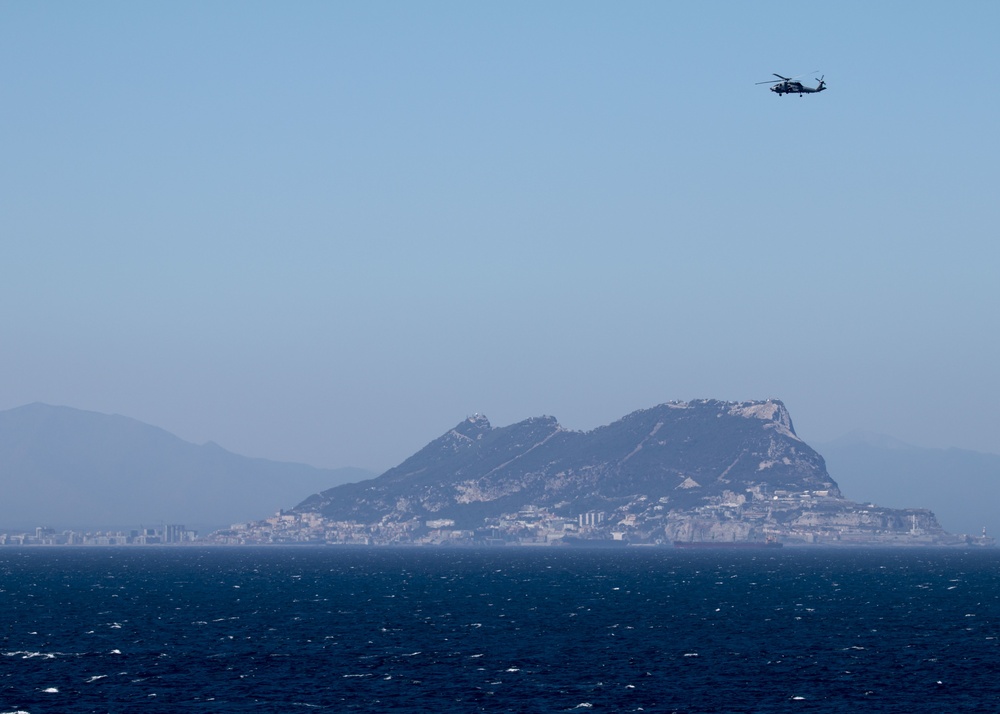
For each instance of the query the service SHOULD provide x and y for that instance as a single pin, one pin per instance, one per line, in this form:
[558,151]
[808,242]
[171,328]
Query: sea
[343,629]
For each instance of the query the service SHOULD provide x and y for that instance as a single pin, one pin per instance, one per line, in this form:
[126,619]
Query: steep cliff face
[680,455]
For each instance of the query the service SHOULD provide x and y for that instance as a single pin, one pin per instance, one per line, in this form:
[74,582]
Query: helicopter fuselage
[795,88]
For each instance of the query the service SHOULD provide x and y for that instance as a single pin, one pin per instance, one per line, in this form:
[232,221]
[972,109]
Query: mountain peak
[771,410]
[473,426]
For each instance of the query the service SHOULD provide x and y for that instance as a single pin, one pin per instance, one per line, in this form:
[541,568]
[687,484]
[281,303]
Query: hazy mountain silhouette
[66,468]
[962,487]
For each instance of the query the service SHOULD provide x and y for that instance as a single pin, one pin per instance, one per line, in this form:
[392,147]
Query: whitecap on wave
[25,654]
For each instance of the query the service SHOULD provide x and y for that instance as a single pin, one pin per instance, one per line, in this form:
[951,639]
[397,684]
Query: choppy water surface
[284,629]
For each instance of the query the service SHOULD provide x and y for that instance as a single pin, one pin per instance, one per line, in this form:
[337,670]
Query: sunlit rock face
[675,456]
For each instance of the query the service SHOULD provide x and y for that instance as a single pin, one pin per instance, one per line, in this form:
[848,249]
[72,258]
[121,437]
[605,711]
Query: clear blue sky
[327,232]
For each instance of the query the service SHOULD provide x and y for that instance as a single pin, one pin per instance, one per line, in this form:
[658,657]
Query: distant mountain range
[962,487]
[69,468]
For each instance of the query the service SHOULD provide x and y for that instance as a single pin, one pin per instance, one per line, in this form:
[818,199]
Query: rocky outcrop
[676,456]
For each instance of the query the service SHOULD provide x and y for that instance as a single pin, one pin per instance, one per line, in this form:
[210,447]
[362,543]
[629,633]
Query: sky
[328,232]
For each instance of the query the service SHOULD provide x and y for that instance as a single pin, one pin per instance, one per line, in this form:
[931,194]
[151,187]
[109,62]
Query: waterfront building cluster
[530,526]
[756,515]
[162,535]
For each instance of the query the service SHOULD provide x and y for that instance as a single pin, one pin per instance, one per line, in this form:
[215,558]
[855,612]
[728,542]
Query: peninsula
[705,471]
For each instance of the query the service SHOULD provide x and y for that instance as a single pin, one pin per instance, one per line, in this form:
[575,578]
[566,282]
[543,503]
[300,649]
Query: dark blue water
[302,629]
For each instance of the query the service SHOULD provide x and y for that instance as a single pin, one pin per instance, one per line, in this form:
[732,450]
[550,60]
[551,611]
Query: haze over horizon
[325,233]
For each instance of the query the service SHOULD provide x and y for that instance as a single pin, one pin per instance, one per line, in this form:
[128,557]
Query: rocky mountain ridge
[702,469]
[677,453]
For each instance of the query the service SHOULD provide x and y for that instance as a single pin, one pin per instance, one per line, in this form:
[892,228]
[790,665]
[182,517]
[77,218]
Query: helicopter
[791,85]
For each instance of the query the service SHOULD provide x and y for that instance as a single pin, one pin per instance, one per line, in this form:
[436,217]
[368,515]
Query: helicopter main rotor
[785,79]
